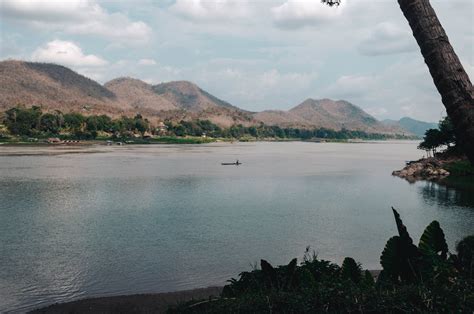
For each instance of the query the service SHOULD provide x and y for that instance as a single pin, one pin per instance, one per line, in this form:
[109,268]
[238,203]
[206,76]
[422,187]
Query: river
[78,222]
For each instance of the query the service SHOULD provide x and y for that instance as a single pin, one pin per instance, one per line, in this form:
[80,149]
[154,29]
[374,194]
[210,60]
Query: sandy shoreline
[139,303]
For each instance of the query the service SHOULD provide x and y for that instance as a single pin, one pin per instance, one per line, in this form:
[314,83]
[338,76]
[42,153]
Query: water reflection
[164,218]
[452,192]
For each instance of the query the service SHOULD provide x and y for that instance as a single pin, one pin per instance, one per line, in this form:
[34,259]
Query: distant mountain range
[413,126]
[326,113]
[55,87]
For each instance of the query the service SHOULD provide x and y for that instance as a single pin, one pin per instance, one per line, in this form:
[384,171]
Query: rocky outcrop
[431,169]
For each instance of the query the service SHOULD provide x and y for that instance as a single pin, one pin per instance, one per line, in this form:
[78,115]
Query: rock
[443,172]
[423,169]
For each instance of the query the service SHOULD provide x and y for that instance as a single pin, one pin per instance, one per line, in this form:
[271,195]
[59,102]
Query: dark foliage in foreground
[424,278]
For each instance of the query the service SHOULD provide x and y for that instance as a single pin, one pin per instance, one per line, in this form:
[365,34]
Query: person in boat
[237,162]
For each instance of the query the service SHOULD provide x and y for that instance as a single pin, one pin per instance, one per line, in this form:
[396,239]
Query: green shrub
[416,279]
[461,168]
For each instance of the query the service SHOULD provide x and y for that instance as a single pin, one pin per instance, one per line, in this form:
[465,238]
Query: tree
[104,123]
[448,74]
[21,121]
[141,125]
[433,139]
[74,121]
[447,130]
[50,123]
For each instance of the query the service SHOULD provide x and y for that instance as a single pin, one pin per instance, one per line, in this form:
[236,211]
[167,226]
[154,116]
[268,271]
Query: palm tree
[448,74]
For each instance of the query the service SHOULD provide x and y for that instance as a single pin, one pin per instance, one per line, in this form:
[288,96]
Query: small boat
[237,163]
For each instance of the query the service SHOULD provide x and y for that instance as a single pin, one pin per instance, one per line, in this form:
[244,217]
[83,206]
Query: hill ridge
[56,87]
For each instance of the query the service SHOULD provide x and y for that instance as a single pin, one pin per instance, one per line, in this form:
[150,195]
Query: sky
[255,54]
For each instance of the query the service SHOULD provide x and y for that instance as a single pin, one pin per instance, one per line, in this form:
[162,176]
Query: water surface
[98,221]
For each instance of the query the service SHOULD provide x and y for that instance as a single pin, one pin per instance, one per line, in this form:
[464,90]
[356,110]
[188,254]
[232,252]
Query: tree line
[33,122]
[201,127]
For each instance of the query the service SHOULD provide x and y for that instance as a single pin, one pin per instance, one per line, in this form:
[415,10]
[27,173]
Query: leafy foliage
[351,270]
[33,122]
[465,257]
[433,241]
[414,279]
[442,136]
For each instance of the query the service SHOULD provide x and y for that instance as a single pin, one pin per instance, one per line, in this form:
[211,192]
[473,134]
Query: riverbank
[435,168]
[140,303]
[110,141]
[172,140]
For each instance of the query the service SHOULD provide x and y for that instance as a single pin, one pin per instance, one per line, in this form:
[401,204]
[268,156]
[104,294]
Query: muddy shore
[140,303]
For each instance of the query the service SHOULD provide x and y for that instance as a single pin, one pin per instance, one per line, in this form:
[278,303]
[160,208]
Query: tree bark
[448,74]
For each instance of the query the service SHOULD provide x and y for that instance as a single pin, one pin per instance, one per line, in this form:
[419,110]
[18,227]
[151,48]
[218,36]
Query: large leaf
[402,230]
[465,257]
[270,274]
[390,258]
[433,241]
[400,260]
[290,274]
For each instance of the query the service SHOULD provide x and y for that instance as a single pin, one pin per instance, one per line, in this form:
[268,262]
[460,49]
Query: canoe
[231,163]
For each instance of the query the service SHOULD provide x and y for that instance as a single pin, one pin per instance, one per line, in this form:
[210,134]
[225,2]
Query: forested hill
[55,87]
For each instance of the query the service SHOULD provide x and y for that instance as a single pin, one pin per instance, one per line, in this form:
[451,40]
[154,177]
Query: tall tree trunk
[448,74]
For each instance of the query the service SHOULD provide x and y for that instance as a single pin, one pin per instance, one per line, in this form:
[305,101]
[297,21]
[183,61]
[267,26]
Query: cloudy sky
[256,54]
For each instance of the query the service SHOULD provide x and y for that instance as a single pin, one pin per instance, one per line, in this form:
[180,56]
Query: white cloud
[147,62]
[387,38]
[377,112]
[402,89]
[254,88]
[212,10]
[352,86]
[299,13]
[255,54]
[49,11]
[85,17]
[66,53]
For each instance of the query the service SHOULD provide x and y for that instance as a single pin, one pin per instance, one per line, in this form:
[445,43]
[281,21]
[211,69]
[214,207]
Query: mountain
[55,87]
[179,100]
[411,125]
[326,113]
[52,86]
[189,96]
[139,94]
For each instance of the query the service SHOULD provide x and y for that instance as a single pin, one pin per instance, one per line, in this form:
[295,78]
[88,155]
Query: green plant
[461,168]
[424,278]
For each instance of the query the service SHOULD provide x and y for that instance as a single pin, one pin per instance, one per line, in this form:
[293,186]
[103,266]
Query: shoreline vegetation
[436,168]
[21,125]
[423,278]
[149,302]
[51,142]
[451,161]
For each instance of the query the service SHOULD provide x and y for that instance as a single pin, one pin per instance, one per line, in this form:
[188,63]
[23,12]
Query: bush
[424,278]
[461,168]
